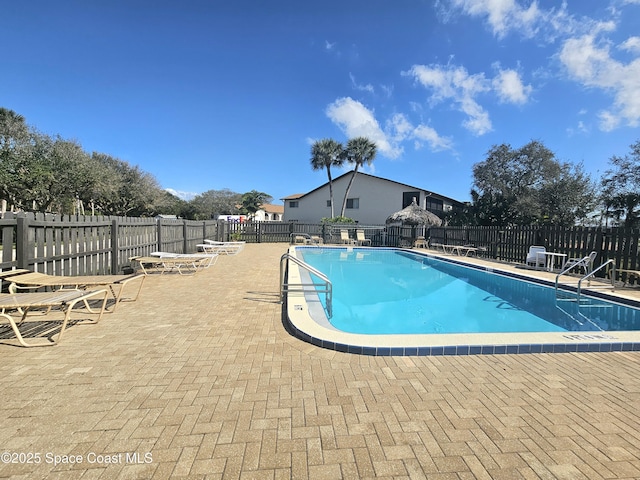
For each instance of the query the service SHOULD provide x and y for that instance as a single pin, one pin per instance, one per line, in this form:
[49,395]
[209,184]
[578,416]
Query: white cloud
[356,120]
[503,15]
[429,135]
[328,45]
[455,84]
[509,87]
[181,194]
[585,52]
[525,18]
[631,44]
[592,65]
[364,88]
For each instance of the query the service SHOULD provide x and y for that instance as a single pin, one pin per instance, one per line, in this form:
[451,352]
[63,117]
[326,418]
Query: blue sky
[231,94]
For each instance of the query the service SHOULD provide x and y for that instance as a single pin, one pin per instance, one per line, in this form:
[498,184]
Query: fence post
[115,246]
[159,234]
[22,242]
[184,236]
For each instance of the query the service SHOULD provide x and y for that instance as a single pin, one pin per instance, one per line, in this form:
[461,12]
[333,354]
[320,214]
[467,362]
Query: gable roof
[271,208]
[300,195]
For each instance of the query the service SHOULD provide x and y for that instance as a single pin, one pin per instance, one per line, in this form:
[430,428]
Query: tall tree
[327,153]
[621,187]
[15,149]
[207,205]
[359,151]
[528,186]
[253,200]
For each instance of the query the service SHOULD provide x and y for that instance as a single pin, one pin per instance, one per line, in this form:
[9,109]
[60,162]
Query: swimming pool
[396,299]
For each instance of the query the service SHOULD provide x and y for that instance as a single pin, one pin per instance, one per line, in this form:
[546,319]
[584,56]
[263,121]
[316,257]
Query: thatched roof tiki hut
[414,215]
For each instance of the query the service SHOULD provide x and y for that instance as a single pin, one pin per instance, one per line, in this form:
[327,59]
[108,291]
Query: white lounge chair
[536,257]
[209,258]
[225,248]
[184,264]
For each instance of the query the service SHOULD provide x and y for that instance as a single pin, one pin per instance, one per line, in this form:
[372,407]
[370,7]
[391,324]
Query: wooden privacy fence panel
[512,244]
[131,237]
[92,245]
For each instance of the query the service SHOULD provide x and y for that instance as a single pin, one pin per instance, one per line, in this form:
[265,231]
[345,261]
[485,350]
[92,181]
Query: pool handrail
[328,290]
[587,276]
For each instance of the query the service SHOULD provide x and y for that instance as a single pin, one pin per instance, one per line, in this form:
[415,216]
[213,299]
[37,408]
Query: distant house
[371,200]
[269,213]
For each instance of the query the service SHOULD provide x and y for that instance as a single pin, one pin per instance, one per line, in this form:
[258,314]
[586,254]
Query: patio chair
[361,239]
[52,331]
[585,263]
[345,238]
[536,257]
[27,280]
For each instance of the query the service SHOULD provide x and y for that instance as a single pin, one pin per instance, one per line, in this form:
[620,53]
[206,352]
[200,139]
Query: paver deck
[199,379]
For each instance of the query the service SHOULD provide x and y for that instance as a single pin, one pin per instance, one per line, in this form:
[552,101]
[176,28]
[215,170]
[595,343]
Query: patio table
[550,259]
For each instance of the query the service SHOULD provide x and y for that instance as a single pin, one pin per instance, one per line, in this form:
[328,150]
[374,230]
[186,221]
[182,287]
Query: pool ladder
[587,277]
[325,286]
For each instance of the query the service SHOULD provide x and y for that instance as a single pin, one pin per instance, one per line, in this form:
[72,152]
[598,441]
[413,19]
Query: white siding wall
[378,198]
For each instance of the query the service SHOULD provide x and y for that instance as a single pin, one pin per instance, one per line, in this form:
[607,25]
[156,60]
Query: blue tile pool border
[473,349]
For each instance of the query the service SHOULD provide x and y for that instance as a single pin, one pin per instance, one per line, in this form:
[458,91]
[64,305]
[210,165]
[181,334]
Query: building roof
[271,208]
[296,195]
[300,195]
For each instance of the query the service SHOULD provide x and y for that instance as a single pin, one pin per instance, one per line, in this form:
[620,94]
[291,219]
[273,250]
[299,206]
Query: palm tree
[327,153]
[360,150]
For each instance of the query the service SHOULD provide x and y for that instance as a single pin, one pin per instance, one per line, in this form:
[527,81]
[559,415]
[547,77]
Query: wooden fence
[512,244]
[86,245]
[504,244]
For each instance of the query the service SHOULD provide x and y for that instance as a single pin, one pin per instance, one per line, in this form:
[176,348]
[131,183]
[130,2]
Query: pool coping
[300,323]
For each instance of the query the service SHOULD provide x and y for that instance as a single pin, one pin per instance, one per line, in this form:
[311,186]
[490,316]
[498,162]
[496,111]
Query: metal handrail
[328,291]
[589,274]
[613,275]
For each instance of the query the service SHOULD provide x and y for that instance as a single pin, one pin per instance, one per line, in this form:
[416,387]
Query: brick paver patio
[199,379]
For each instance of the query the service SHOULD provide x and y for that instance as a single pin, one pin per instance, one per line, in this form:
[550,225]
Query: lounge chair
[225,248]
[184,264]
[63,300]
[361,239]
[584,263]
[27,280]
[536,257]
[212,257]
[420,242]
[345,238]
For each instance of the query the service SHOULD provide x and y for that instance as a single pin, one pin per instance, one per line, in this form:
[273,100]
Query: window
[407,198]
[353,203]
[329,203]
[293,204]
[434,205]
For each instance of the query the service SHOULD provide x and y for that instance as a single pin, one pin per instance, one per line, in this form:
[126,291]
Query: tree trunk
[346,194]
[330,190]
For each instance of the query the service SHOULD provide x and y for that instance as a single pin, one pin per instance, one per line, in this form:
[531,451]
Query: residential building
[269,213]
[371,200]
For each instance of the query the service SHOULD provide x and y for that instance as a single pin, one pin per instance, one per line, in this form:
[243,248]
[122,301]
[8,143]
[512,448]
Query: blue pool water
[386,291]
